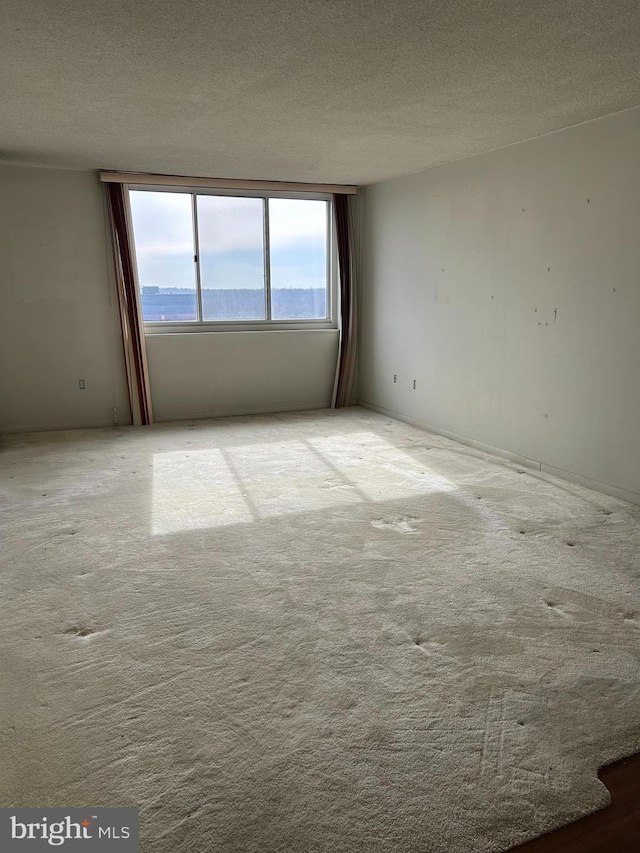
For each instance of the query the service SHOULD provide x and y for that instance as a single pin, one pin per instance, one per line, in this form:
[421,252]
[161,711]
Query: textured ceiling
[305,90]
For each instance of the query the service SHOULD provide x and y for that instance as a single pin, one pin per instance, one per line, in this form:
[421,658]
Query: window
[207,259]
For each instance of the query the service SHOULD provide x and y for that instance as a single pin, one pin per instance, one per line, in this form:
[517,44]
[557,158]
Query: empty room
[320,426]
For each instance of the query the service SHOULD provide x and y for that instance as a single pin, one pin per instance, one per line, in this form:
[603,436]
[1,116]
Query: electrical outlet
[81,384]
[414,384]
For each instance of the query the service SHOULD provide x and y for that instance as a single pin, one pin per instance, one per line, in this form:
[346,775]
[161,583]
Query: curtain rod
[222,183]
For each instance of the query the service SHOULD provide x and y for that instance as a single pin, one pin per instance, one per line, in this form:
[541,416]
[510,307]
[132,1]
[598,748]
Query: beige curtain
[346,368]
[135,353]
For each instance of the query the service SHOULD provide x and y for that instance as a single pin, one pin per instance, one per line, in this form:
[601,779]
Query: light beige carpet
[310,633]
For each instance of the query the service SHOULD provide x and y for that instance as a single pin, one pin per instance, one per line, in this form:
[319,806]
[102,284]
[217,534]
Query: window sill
[194,328]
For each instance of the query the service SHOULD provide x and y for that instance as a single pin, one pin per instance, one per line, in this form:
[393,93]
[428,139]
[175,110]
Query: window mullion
[267,259]
[196,257]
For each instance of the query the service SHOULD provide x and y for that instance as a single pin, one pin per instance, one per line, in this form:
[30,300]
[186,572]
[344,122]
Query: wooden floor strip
[615,829]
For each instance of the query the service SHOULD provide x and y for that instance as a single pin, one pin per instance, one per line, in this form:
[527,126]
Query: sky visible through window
[232,246]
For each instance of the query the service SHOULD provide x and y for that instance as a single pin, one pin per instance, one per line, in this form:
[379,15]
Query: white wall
[508,286]
[59,320]
[235,373]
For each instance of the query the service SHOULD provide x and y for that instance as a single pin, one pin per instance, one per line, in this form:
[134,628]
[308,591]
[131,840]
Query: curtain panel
[135,354]
[346,367]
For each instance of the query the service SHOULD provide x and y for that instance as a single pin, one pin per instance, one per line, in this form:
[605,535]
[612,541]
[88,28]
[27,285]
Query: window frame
[160,327]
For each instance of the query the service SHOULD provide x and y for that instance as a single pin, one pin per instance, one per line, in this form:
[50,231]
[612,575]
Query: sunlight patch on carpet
[242,484]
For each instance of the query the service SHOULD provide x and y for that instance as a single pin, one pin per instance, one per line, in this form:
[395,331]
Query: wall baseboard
[570,476]
[15,430]
[239,413]
[265,410]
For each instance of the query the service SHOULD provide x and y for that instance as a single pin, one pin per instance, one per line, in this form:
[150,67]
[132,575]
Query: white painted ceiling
[304,90]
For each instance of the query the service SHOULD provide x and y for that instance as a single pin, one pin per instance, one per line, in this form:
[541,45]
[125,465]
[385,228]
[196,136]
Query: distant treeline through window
[214,258]
[295,303]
